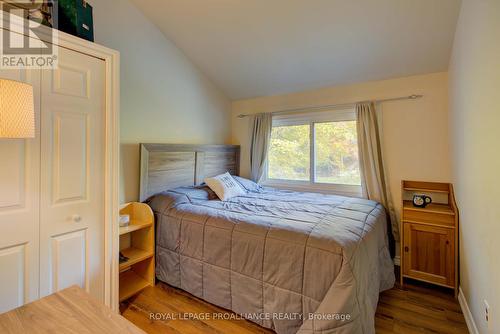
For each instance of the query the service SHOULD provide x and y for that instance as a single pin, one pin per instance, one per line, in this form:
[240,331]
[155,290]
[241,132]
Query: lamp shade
[17,110]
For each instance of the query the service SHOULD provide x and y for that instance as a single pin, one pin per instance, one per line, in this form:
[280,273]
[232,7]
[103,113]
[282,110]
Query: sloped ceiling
[255,48]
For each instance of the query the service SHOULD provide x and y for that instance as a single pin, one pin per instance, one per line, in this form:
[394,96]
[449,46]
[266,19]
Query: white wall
[475,125]
[164,97]
[415,132]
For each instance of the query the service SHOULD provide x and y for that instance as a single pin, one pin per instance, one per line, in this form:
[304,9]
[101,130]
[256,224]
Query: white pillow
[225,186]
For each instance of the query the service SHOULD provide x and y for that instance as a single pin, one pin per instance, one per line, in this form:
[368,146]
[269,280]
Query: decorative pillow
[247,184]
[225,186]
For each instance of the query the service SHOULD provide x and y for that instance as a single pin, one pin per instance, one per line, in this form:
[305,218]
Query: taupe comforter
[293,262]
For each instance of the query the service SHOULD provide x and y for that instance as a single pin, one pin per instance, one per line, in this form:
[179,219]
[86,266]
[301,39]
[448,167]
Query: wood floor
[416,309]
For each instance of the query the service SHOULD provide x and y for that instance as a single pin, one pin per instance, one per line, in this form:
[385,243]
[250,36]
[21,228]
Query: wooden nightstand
[137,242]
[429,242]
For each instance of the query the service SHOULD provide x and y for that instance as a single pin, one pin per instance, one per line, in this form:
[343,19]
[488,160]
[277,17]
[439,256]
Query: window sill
[324,188]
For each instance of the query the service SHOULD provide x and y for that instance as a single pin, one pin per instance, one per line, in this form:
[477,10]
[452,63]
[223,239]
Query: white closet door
[19,196]
[72,175]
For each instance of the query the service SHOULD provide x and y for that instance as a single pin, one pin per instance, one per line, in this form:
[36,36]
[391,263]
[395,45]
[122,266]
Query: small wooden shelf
[134,226]
[431,208]
[134,255]
[423,190]
[137,242]
[130,284]
[426,187]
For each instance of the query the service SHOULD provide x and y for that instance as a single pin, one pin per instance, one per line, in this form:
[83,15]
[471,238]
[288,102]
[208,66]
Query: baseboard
[397,260]
[466,311]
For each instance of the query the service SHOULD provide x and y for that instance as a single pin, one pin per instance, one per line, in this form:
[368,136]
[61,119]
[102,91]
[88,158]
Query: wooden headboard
[167,166]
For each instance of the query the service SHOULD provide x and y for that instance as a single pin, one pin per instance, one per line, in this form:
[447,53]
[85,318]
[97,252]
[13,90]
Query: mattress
[293,262]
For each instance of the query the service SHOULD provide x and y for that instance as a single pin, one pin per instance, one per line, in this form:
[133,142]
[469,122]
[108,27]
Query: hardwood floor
[163,300]
[416,309]
[419,308]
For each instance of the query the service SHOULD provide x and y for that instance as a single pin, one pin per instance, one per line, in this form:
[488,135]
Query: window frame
[311,118]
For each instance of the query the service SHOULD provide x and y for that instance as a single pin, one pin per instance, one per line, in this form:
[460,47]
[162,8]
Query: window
[290,152]
[336,148]
[315,150]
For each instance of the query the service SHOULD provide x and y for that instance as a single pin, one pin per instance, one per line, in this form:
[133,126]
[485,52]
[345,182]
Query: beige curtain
[373,175]
[260,137]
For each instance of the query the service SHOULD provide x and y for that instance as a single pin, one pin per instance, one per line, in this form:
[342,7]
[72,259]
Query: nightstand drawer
[421,216]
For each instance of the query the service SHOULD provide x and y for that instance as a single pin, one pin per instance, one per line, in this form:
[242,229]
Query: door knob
[76,218]
[407,249]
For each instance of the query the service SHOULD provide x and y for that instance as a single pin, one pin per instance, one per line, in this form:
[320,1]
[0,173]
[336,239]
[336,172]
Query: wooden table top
[68,311]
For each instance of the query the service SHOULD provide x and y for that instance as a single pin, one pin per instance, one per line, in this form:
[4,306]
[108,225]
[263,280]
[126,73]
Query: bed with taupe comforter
[293,262]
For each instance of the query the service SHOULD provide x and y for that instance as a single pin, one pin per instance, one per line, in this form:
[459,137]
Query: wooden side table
[137,242]
[429,244]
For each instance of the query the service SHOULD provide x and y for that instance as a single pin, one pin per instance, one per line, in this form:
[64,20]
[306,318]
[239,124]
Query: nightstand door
[429,253]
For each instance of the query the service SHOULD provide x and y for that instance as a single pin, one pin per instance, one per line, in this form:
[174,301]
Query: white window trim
[309,186]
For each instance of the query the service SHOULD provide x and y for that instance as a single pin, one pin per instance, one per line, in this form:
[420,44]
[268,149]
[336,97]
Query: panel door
[72,175]
[19,196]
[429,253]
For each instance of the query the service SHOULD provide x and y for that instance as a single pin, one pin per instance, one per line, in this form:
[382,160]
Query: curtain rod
[332,106]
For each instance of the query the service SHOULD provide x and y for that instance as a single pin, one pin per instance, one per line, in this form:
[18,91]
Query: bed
[293,262]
